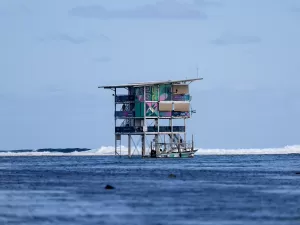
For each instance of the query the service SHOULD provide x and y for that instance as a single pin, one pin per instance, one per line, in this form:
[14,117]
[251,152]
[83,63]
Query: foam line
[109,150]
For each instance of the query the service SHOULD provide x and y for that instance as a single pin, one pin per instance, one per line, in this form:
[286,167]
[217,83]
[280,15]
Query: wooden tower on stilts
[154,109]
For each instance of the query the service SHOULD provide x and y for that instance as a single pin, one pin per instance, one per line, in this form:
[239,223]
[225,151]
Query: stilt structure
[154,109]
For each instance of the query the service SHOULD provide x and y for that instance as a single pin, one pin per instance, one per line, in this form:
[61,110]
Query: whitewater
[109,150]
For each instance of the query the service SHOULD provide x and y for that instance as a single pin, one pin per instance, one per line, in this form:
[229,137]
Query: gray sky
[55,53]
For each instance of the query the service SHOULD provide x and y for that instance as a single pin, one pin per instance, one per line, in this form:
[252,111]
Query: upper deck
[158,99]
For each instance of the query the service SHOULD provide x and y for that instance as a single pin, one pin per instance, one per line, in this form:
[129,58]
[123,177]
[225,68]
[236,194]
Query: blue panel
[124,98]
[178,129]
[150,129]
[165,114]
[124,114]
[180,114]
[165,129]
[181,97]
[125,130]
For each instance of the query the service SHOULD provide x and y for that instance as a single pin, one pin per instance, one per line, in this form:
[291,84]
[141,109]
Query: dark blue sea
[245,189]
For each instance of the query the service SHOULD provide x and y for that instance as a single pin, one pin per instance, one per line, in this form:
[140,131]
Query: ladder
[118,148]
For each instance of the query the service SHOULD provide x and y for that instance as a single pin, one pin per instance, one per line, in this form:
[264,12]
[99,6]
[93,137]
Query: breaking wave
[292,149]
[109,150]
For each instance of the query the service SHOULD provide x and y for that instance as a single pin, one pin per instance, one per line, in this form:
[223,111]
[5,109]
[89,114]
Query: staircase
[118,148]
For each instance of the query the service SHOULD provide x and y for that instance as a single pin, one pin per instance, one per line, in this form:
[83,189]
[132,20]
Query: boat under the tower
[174,149]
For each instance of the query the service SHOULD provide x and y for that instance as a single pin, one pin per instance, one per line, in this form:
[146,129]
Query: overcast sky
[54,54]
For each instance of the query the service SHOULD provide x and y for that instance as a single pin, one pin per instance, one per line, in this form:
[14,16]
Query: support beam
[143,145]
[144,125]
[156,139]
[171,136]
[184,133]
[116,153]
[157,125]
[129,145]
[192,142]
[115,93]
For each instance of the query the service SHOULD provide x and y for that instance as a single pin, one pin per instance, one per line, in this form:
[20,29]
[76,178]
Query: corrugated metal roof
[149,83]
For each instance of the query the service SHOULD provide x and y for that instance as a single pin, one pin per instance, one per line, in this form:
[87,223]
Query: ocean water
[215,189]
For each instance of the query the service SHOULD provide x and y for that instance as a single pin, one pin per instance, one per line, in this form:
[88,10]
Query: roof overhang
[151,83]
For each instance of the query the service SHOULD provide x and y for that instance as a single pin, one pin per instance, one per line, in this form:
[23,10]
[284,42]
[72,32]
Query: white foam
[293,149]
[110,150]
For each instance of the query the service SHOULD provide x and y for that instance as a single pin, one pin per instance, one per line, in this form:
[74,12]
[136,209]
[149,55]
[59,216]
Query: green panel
[155,93]
[165,92]
[139,109]
[139,102]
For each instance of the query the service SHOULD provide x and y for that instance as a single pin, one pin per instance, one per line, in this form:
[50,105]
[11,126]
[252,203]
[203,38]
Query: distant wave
[293,149]
[62,150]
[109,150]
[43,151]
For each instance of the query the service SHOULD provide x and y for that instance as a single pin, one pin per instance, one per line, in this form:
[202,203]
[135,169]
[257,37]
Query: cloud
[207,3]
[231,39]
[102,59]
[101,37]
[165,9]
[74,40]
[65,37]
